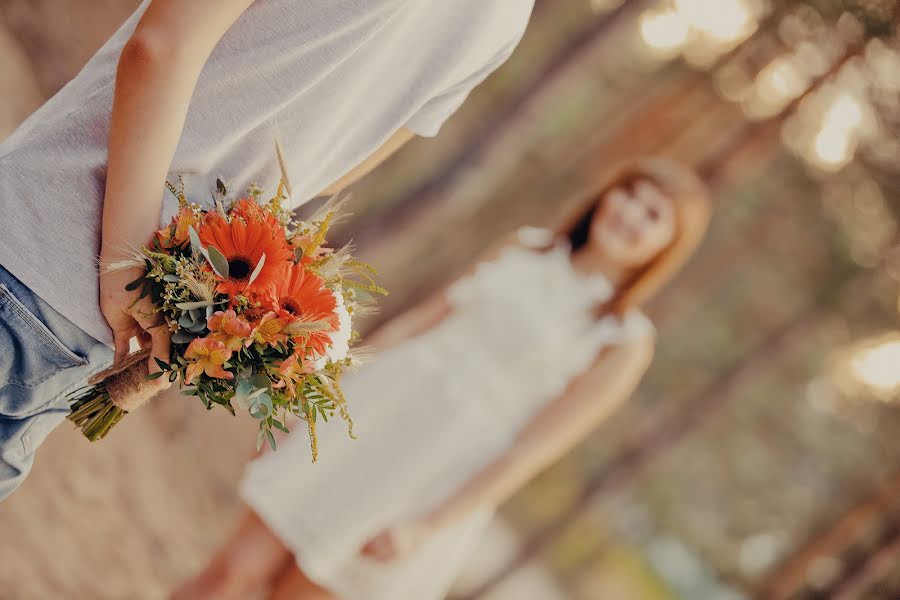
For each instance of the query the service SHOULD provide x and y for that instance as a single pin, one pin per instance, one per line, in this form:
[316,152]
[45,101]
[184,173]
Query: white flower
[340,339]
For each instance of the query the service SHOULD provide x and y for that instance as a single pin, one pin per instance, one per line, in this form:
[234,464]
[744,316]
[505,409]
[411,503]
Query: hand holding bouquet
[259,310]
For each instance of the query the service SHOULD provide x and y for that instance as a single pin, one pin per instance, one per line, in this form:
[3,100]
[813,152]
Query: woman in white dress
[474,392]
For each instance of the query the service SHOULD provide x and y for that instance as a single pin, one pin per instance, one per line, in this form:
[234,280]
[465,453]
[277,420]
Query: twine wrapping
[126,381]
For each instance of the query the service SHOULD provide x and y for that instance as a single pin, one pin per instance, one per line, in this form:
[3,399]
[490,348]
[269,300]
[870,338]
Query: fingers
[160,347]
[154,334]
[145,340]
[381,548]
[369,549]
[145,314]
[122,342]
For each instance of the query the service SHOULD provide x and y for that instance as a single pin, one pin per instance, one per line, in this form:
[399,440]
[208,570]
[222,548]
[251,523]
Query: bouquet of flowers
[259,308]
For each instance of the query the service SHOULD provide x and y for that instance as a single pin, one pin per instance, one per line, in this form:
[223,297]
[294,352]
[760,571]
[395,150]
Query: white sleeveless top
[333,79]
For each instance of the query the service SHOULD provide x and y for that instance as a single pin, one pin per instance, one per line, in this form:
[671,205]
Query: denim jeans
[43,357]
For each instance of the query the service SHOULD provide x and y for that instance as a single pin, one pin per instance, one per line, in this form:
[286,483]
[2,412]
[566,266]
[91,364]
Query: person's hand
[395,543]
[130,316]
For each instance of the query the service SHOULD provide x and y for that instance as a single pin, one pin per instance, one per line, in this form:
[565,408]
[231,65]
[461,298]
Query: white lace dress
[430,414]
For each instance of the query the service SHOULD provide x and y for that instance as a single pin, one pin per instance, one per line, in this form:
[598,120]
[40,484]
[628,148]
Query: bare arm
[156,76]
[554,431]
[394,143]
[157,72]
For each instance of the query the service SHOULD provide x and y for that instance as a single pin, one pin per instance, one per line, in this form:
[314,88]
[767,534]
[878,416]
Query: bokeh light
[878,366]
[870,368]
[664,30]
[723,20]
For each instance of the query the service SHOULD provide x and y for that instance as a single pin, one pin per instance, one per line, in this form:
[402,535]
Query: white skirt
[413,450]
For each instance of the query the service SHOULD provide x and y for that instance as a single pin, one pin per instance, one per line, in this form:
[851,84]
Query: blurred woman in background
[474,392]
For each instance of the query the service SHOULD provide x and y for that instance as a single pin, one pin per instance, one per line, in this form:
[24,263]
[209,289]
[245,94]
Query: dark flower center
[290,306]
[239,268]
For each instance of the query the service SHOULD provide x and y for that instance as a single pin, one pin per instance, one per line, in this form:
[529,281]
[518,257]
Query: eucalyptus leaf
[193,305]
[196,246]
[260,439]
[261,381]
[261,406]
[196,327]
[271,438]
[217,261]
[258,269]
[242,393]
[182,337]
[257,392]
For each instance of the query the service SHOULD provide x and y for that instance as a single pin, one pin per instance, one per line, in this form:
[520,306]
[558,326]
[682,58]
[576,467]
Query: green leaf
[261,406]
[220,187]
[280,426]
[258,269]
[271,438]
[162,365]
[193,305]
[182,337]
[134,284]
[196,246]
[261,381]
[196,327]
[260,439]
[217,260]
[242,392]
[152,376]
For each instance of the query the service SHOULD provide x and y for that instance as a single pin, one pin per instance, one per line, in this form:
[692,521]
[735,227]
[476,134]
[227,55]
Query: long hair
[690,198]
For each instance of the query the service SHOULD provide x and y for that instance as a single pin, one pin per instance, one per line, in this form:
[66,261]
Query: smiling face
[633,224]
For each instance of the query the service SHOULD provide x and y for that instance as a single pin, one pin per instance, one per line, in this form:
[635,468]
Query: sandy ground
[127,517]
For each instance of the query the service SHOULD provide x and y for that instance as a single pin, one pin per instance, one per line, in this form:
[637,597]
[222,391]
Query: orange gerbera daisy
[243,241]
[301,296]
[249,209]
